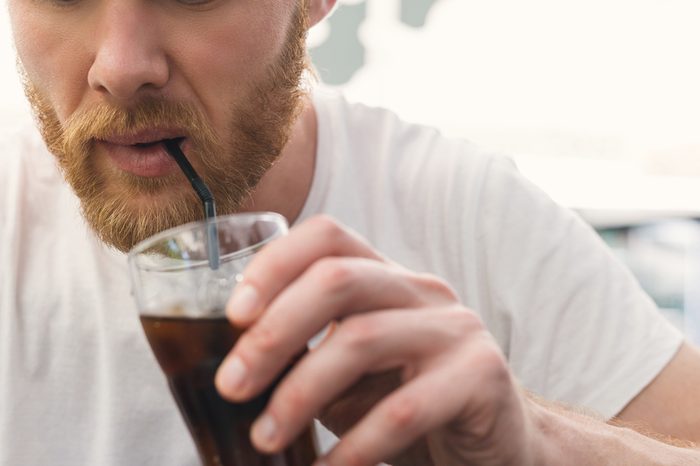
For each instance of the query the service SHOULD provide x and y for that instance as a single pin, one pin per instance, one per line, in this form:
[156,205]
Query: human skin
[453,401]
[83,52]
[86,51]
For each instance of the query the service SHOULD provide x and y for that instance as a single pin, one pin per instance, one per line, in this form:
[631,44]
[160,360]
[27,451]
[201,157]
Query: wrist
[560,436]
[545,435]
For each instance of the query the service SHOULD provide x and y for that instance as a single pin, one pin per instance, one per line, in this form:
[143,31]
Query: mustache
[104,121]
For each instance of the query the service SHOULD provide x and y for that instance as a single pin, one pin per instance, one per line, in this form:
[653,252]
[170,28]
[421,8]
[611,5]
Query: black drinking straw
[173,148]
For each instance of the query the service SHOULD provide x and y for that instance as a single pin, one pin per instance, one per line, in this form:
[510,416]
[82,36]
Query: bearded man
[496,283]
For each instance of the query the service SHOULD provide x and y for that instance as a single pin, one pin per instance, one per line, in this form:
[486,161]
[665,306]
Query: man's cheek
[60,83]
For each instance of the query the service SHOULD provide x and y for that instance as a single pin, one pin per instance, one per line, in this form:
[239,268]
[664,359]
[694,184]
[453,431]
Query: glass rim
[144,245]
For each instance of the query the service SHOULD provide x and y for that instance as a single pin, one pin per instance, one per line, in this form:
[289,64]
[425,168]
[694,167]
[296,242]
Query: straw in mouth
[172,146]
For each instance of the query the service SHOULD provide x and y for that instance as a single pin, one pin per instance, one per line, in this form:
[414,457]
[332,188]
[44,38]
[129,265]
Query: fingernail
[320,463]
[265,430]
[243,305]
[233,373]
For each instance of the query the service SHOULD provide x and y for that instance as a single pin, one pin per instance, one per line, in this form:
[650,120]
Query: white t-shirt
[79,385]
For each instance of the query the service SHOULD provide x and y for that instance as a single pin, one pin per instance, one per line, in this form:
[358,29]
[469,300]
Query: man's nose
[129,56]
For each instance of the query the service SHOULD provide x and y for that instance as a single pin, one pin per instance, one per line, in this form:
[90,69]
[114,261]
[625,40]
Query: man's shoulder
[378,133]
[357,118]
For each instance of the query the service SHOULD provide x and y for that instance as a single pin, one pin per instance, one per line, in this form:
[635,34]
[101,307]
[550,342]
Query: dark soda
[189,351]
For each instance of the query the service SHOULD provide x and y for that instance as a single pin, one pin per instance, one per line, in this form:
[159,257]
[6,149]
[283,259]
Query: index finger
[286,258]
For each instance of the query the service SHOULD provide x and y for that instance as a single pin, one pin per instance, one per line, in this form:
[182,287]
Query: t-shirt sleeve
[575,324]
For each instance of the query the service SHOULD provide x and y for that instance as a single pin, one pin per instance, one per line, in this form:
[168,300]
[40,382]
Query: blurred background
[598,101]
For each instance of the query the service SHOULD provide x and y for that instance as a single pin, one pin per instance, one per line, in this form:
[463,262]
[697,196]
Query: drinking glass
[181,299]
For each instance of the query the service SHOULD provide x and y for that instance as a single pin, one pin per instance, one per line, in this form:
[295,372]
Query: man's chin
[125,220]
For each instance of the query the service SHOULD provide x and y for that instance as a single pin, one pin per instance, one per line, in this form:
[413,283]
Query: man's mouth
[141,155]
[143,145]
[178,140]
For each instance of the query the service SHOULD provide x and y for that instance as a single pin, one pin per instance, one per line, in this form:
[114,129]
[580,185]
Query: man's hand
[403,362]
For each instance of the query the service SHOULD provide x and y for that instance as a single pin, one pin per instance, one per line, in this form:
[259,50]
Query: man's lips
[148,136]
[141,154]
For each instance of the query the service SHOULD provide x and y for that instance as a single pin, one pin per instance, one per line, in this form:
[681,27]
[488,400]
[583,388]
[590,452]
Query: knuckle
[350,454]
[402,413]
[293,398]
[358,333]
[337,238]
[335,274]
[262,340]
[328,227]
[275,265]
[436,287]
[487,406]
[497,368]
[463,322]
[493,369]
